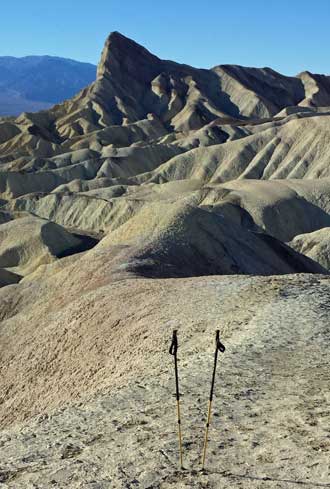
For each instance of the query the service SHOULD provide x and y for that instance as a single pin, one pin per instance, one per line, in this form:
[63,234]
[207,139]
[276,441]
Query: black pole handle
[219,345]
[174,344]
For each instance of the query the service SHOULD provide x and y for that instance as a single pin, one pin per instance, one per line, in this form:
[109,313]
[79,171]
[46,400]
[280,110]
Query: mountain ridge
[31,83]
[183,96]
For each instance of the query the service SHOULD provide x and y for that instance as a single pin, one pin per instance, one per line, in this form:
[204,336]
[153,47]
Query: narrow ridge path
[270,425]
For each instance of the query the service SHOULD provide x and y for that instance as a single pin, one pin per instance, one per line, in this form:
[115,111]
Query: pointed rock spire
[121,54]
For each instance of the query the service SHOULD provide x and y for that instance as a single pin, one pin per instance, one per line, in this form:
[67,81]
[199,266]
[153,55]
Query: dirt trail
[271,410]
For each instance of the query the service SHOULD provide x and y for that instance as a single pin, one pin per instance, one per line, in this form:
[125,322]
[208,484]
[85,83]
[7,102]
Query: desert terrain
[163,197]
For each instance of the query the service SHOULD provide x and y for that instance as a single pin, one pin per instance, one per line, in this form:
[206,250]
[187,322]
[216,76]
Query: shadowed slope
[178,240]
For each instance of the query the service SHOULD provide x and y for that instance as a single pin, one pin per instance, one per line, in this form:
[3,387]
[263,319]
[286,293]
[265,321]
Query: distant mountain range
[37,82]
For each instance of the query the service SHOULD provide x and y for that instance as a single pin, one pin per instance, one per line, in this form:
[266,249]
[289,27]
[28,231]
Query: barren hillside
[166,197]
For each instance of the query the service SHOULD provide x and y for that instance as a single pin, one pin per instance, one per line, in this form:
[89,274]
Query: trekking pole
[218,347]
[173,351]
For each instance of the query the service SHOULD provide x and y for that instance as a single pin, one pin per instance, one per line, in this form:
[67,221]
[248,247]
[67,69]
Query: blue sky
[290,36]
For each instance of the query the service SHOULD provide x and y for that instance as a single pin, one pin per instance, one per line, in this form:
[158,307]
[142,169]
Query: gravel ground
[270,425]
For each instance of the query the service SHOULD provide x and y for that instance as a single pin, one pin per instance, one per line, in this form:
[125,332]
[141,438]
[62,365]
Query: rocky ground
[271,410]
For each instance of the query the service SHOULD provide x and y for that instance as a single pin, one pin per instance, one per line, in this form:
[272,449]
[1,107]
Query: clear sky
[288,35]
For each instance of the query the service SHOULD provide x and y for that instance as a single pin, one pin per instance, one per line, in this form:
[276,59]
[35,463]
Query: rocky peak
[121,55]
